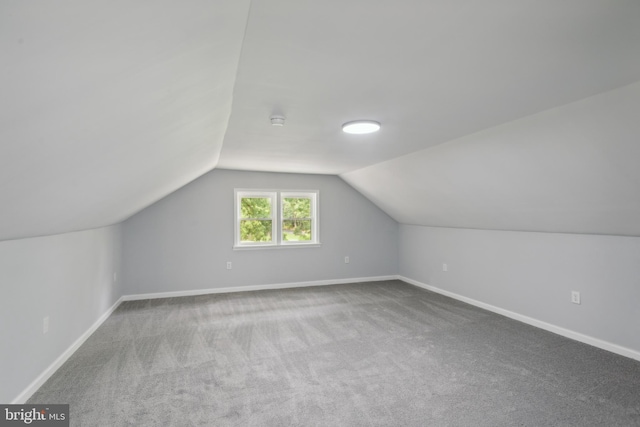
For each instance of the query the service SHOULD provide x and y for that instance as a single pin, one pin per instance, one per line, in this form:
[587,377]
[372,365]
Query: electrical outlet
[115,276]
[346,260]
[575,297]
[229,266]
[45,325]
[445,267]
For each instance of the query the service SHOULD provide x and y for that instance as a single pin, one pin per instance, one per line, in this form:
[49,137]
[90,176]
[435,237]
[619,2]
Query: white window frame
[246,194]
[313,195]
[277,197]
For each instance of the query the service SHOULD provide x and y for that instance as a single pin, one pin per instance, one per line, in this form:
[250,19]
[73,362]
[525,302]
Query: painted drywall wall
[571,169]
[533,274]
[67,277]
[184,241]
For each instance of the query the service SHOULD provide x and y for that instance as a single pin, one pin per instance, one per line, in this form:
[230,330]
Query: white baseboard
[230,289]
[605,345]
[44,376]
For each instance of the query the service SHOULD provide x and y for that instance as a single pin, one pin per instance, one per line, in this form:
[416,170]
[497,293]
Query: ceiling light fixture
[361,126]
[277,120]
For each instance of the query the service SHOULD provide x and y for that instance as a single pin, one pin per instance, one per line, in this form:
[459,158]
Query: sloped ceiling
[108,106]
[574,169]
[429,71]
[499,114]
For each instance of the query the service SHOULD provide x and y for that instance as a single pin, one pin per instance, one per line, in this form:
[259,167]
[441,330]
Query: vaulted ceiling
[503,114]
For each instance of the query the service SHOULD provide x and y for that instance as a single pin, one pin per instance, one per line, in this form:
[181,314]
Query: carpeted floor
[381,353]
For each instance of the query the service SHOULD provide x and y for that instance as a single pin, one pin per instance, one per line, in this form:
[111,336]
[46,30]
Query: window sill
[288,246]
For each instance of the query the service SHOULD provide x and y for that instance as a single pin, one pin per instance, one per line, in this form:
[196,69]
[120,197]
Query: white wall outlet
[115,276]
[445,267]
[229,265]
[45,325]
[575,297]
[346,260]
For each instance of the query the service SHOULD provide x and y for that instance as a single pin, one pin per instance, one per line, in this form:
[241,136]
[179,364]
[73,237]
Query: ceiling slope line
[105,155]
[235,80]
[487,130]
[200,173]
[565,170]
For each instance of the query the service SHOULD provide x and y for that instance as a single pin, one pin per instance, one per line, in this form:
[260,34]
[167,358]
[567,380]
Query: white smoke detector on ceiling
[361,126]
[277,120]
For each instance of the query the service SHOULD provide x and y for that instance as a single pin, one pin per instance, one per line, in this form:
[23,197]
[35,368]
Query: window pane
[296,230]
[255,230]
[296,207]
[256,207]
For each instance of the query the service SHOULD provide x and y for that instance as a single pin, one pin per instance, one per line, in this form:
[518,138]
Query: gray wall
[68,277]
[533,274]
[184,241]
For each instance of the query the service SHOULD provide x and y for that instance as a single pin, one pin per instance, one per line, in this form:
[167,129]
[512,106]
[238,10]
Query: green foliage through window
[296,219]
[256,207]
[256,223]
[255,231]
[273,218]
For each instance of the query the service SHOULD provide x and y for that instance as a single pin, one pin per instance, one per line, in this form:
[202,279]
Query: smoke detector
[277,120]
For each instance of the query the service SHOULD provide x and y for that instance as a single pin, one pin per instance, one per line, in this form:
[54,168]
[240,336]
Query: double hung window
[276,218]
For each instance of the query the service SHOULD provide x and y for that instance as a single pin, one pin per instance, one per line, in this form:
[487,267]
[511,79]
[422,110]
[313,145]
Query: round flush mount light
[361,126]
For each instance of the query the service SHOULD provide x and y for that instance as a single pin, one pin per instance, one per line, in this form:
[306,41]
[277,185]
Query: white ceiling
[571,169]
[429,71]
[108,106]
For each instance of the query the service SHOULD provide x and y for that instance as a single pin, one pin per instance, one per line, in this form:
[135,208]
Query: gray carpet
[382,353]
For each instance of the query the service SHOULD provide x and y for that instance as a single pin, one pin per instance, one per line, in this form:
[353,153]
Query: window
[276,218]
[298,212]
[257,224]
